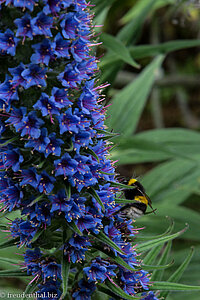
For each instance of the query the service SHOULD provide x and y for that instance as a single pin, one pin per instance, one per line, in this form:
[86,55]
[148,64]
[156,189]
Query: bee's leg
[150,212]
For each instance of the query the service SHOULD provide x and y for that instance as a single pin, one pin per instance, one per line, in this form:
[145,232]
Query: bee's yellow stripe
[132,181]
[142,199]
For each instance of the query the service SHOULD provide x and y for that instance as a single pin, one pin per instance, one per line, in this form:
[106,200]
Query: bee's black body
[140,201]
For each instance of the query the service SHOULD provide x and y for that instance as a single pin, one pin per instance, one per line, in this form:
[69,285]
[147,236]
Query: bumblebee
[140,201]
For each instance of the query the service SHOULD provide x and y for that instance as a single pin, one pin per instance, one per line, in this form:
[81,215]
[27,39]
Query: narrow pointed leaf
[68,190]
[116,259]
[74,227]
[90,151]
[9,260]
[157,274]
[106,240]
[179,272]
[158,267]
[172,286]
[9,243]
[65,275]
[116,46]
[152,254]
[13,273]
[30,288]
[96,196]
[148,245]
[129,103]
[37,235]
[119,292]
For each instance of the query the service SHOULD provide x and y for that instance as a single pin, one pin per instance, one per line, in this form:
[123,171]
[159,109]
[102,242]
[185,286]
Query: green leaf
[68,190]
[9,243]
[106,240]
[150,244]
[94,194]
[123,200]
[9,260]
[157,267]
[142,51]
[36,200]
[120,185]
[65,275]
[157,274]
[117,47]
[118,291]
[13,273]
[129,33]
[172,286]
[8,141]
[152,254]
[165,174]
[179,272]
[37,235]
[128,104]
[116,259]
[31,287]
[139,6]
[3,226]
[74,227]
[90,151]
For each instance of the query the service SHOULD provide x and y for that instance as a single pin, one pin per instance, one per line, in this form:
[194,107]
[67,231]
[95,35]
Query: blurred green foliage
[151,58]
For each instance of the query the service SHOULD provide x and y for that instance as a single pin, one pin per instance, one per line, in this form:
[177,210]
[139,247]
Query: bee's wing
[149,200]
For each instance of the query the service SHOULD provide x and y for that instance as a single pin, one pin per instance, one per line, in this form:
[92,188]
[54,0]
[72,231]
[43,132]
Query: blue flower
[53,145]
[8,91]
[76,247]
[41,143]
[17,75]
[60,47]
[8,42]
[88,221]
[46,183]
[43,52]
[30,125]
[70,25]
[79,49]
[68,122]
[11,197]
[24,230]
[34,75]
[32,260]
[25,4]
[87,100]
[85,290]
[46,106]
[59,202]
[42,24]
[65,166]
[52,6]
[70,77]
[12,159]
[50,288]
[24,27]
[60,98]
[30,177]
[81,139]
[38,213]
[76,208]
[51,270]
[99,270]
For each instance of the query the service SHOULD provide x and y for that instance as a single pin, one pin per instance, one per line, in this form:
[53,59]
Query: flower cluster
[54,153]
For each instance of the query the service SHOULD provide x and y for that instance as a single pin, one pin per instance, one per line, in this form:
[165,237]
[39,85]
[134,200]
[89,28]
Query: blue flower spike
[55,168]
